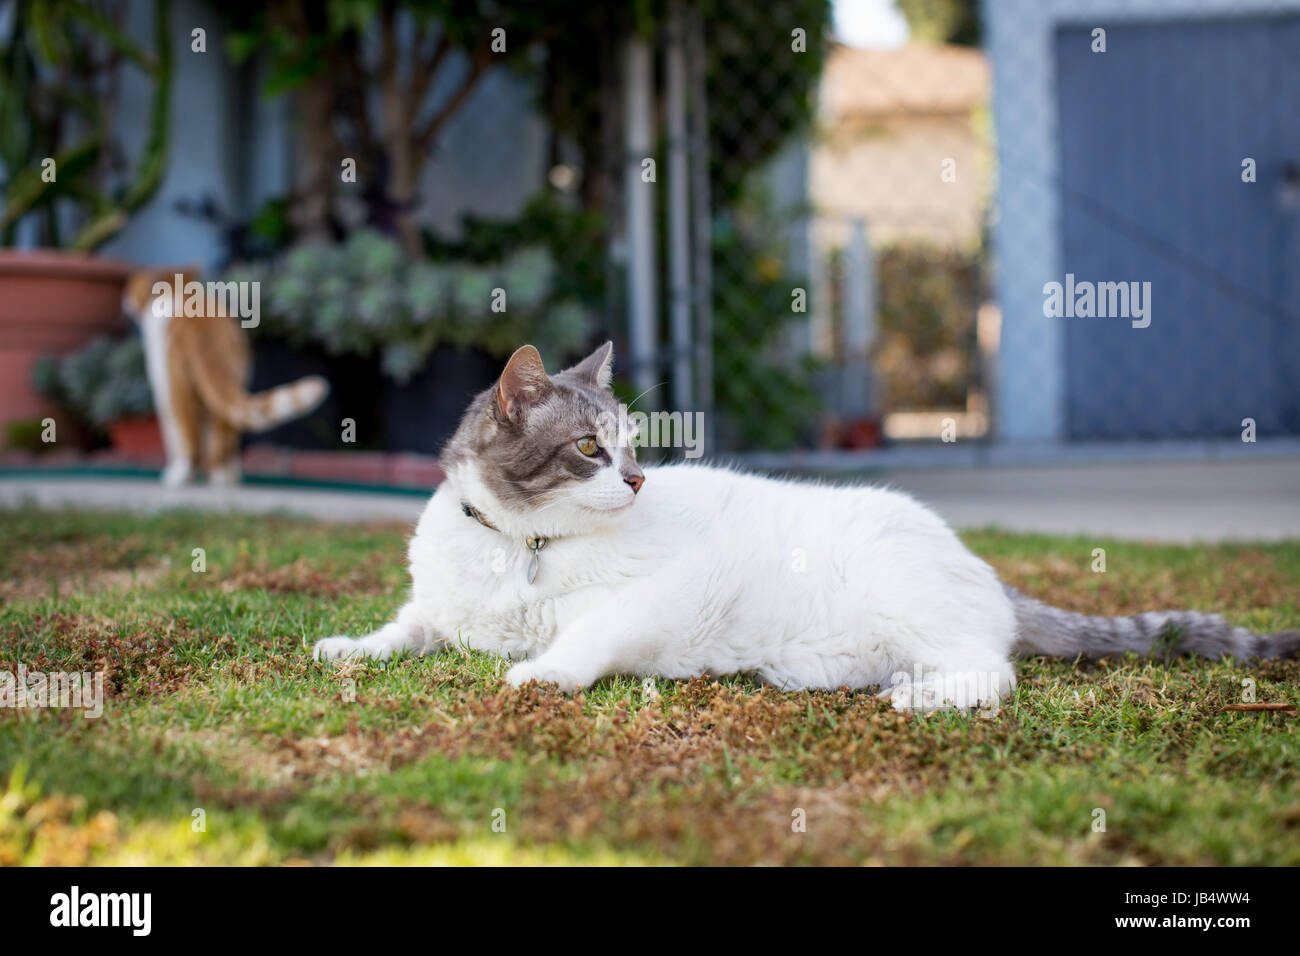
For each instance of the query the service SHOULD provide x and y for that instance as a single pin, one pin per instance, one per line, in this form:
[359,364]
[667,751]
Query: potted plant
[66,190]
[105,386]
[430,327]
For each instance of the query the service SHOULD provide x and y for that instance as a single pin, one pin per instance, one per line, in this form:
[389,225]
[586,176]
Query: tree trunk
[317,162]
[403,171]
[398,136]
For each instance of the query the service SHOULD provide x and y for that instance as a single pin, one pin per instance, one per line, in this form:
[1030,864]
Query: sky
[875,24]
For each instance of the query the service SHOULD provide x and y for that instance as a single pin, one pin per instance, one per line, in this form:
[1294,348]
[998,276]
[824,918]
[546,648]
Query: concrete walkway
[1157,501]
[1165,501]
[146,495]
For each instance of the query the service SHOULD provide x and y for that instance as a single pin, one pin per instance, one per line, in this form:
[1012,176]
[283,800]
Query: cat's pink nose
[636,481]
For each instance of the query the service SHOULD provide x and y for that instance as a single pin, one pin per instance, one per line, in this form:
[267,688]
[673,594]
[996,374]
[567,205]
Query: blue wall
[1153,134]
[1022,37]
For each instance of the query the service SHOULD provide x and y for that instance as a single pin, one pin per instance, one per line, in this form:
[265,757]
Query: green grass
[215,714]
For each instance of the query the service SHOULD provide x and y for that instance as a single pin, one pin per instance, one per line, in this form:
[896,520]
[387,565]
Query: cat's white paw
[176,474]
[910,697]
[924,697]
[543,672]
[224,476]
[330,648]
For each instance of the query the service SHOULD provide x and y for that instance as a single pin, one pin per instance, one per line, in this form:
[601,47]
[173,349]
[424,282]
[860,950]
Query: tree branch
[423,71]
[482,59]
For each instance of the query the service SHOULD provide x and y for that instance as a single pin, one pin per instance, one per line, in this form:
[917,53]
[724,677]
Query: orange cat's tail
[276,405]
[255,413]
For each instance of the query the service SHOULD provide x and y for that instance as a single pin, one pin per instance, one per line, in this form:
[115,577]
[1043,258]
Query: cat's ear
[524,382]
[597,368]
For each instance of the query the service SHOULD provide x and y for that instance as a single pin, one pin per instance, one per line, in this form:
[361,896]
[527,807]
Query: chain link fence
[824,231]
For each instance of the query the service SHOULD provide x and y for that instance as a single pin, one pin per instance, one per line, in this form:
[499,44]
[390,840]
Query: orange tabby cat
[199,367]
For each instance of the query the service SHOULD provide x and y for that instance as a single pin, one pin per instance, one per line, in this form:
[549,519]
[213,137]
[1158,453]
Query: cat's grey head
[547,447]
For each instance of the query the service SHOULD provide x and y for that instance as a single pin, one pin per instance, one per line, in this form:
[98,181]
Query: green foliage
[28,435]
[762,399]
[301,39]
[760,91]
[574,237]
[750,63]
[364,296]
[365,73]
[101,383]
[760,95]
[925,342]
[56,60]
[943,21]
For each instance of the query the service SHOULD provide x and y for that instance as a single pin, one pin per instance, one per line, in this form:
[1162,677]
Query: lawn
[222,742]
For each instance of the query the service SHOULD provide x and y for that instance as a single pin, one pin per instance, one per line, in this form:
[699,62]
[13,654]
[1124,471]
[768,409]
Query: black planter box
[355,388]
[422,414]
[417,416]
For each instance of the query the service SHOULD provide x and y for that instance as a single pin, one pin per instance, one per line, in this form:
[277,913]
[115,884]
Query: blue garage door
[1153,134]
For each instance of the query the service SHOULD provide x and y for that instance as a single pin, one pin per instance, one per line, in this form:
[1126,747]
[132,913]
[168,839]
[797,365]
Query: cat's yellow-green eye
[587,446]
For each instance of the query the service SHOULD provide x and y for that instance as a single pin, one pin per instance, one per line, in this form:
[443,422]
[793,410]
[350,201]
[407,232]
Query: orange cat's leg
[223,453]
[187,419]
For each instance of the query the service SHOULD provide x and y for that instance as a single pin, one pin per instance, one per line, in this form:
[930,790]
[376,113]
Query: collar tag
[535,545]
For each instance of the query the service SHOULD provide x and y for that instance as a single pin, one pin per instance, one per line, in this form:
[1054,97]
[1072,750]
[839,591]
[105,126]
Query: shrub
[925,345]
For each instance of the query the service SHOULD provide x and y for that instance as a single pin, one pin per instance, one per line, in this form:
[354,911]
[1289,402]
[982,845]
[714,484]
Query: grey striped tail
[1043,629]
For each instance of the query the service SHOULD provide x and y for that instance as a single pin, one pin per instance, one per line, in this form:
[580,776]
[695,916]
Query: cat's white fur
[708,571]
[153,331]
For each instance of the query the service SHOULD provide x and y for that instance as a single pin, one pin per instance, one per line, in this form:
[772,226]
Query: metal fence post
[679,226]
[859,322]
[638,139]
[702,228]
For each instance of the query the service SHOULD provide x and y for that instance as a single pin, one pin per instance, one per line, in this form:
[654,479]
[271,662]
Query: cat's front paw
[925,697]
[330,648]
[544,673]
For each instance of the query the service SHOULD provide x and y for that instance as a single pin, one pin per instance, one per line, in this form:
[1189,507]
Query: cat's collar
[472,512]
[534,542]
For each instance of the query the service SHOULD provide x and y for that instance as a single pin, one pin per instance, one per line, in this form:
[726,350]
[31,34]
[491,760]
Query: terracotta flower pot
[139,439]
[50,302]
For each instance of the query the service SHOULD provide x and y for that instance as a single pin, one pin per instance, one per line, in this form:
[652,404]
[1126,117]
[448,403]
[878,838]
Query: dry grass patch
[136,657]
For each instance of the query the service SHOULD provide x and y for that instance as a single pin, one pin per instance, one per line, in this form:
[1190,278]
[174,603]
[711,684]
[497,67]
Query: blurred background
[826,226]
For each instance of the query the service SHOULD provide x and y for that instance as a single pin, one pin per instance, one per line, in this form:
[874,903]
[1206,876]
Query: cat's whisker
[644,394]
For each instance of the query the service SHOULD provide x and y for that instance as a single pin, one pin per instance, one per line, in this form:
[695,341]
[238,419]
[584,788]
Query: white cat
[549,545]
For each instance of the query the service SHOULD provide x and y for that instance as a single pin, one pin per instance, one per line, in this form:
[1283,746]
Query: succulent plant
[103,382]
[365,296]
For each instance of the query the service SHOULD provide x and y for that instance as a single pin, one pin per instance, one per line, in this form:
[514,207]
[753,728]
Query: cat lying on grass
[549,544]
